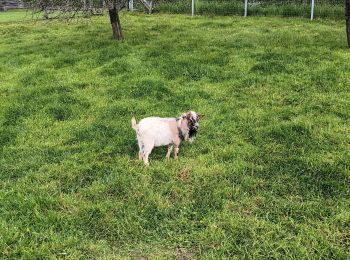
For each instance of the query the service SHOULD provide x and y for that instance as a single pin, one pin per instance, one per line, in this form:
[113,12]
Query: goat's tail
[133,123]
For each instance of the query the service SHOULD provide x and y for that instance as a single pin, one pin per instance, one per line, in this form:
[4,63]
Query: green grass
[268,175]
[15,16]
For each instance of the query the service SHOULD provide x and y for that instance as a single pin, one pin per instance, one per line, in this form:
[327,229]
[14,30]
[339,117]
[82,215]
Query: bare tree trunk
[91,7]
[46,13]
[347,20]
[2,6]
[115,22]
[150,7]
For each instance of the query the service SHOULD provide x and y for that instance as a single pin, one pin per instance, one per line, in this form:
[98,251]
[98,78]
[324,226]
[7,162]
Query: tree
[2,6]
[115,22]
[347,20]
[69,8]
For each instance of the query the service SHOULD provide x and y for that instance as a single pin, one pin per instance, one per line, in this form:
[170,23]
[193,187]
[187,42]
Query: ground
[268,175]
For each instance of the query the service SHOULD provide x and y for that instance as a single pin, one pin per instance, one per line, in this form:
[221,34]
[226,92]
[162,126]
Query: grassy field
[268,176]
[15,16]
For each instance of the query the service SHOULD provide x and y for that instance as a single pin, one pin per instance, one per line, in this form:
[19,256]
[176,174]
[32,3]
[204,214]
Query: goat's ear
[185,115]
[200,116]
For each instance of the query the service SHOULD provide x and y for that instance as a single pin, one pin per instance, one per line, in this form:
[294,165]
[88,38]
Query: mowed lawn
[268,175]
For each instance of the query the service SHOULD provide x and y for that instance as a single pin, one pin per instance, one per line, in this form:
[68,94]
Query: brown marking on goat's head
[190,122]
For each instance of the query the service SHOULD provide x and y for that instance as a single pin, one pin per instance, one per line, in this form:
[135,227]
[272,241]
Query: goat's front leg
[176,152]
[170,148]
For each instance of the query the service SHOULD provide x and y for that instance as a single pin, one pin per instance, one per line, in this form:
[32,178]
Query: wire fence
[287,8]
[333,9]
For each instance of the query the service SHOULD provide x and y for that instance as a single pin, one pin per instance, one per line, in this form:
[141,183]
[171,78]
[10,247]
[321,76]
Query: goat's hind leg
[147,149]
[140,150]
[140,155]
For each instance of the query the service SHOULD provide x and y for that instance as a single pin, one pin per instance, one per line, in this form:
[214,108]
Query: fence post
[131,5]
[347,20]
[192,7]
[312,9]
[245,8]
